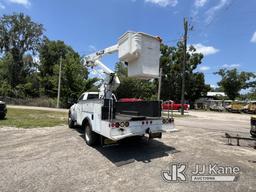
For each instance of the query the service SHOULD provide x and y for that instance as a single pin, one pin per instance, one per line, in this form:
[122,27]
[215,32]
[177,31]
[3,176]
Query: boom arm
[140,50]
[111,82]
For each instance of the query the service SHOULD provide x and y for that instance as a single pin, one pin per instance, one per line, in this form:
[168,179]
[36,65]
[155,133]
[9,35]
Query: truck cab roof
[89,95]
[92,95]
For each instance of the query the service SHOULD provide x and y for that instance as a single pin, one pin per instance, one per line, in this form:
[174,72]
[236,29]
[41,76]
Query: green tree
[50,53]
[19,35]
[233,81]
[5,88]
[132,87]
[74,79]
[170,61]
[252,93]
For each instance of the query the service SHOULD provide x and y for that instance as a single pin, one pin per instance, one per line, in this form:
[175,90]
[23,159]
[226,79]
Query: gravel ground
[57,158]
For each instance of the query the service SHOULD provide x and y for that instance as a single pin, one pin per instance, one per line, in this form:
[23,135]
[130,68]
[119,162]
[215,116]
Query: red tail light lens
[117,124]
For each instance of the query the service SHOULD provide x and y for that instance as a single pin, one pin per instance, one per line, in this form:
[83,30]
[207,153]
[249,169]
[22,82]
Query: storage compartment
[142,52]
[106,109]
[140,108]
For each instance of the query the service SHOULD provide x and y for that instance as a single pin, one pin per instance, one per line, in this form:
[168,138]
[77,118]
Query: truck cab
[74,117]
[75,108]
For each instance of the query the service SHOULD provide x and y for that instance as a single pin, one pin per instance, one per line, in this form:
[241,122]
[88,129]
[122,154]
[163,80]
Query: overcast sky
[223,30]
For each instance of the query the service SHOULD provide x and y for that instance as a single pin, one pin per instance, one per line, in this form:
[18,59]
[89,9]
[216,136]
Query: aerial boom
[111,82]
[139,50]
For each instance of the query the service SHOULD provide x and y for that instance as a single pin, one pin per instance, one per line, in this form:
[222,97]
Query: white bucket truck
[101,115]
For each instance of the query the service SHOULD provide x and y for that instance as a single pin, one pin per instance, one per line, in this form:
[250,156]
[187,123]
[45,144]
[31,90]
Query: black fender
[86,121]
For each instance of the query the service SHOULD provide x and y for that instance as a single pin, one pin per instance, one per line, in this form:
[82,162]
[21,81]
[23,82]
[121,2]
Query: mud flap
[104,142]
[151,135]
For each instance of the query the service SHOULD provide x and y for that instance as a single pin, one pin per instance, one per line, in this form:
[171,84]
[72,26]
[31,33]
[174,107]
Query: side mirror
[71,102]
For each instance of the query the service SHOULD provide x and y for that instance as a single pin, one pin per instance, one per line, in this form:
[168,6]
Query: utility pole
[159,84]
[184,64]
[59,83]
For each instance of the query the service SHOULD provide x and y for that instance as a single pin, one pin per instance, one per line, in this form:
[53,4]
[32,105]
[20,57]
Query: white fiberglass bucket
[142,52]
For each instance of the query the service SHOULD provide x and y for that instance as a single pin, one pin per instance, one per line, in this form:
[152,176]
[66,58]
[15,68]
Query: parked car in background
[236,106]
[227,104]
[171,105]
[250,107]
[3,110]
[216,105]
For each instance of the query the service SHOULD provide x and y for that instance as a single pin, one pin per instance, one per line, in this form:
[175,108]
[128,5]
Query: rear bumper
[121,133]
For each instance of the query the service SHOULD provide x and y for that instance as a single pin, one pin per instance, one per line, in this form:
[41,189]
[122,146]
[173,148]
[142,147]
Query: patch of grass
[29,118]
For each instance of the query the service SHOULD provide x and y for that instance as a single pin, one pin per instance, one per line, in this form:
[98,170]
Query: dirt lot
[57,158]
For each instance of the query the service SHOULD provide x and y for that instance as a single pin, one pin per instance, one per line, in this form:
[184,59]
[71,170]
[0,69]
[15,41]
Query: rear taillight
[117,124]
[171,120]
[168,120]
[126,124]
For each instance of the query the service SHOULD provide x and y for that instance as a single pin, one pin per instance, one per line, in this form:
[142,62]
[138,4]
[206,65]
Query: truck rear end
[139,118]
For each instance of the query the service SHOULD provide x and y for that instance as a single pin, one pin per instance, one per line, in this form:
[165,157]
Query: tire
[91,138]
[253,133]
[71,123]
[2,116]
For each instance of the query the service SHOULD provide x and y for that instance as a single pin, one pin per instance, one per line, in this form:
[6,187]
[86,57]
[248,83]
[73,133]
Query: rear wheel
[253,133]
[2,116]
[91,138]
